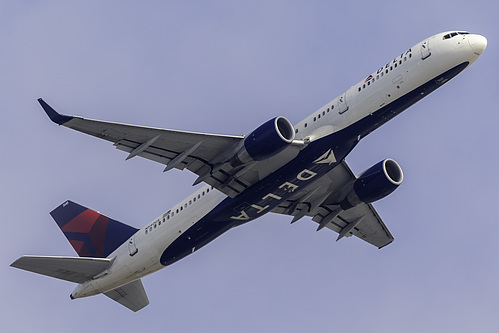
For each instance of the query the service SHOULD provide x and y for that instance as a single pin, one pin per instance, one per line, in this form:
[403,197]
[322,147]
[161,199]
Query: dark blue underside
[342,142]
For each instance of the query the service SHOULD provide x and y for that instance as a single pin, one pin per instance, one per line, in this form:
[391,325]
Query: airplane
[295,170]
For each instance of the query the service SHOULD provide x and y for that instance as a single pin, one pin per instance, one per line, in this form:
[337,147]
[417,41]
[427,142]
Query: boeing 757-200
[297,170]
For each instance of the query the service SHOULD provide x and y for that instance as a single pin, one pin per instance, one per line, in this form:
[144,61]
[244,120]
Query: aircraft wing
[319,201]
[203,154]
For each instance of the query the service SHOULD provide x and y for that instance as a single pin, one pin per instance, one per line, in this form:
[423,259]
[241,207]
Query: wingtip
[56,117]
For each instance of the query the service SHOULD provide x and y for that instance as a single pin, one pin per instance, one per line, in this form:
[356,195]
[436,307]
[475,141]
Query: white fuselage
[395,83]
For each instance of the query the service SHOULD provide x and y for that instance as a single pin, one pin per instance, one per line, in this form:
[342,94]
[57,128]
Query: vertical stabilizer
[90,233]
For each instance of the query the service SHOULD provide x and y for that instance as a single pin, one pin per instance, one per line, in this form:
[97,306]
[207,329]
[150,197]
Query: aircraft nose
[478,43]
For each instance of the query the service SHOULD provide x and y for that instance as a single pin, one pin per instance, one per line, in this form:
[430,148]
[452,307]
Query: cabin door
[342,103]
[425,49]
[132,247]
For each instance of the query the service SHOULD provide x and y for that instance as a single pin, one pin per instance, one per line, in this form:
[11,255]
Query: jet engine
[373,184]
[266,141]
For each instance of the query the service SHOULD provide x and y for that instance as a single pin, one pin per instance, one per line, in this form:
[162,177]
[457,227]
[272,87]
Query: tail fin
[90,233]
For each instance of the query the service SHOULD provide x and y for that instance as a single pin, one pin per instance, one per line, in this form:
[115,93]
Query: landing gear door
[342,104]
[425,49]
[132,247]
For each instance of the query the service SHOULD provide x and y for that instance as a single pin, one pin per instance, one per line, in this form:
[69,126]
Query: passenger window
[305,125]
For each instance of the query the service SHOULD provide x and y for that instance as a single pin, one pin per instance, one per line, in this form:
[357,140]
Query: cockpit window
[452,34]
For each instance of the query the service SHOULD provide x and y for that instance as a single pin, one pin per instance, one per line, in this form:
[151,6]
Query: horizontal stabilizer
[73,269]
[131,295]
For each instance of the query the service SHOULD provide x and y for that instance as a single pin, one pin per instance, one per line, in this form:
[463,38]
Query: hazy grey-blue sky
[226,67]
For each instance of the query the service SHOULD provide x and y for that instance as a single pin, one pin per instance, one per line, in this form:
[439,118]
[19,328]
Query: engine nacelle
[266,141]
[375,183]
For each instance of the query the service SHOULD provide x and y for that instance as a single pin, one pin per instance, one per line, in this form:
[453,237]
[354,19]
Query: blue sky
[226,67]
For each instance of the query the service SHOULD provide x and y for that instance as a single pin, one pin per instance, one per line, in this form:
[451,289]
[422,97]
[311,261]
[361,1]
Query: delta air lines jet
[297,170]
